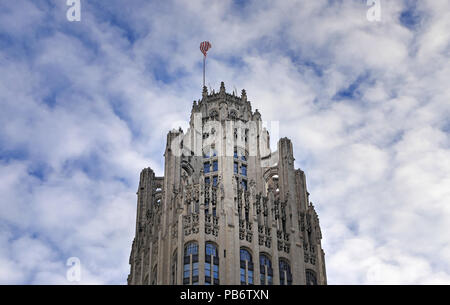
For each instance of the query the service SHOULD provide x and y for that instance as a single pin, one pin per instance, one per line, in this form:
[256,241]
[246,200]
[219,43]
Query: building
[228,210]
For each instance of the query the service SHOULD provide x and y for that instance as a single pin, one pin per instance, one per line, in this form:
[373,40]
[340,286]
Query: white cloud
[85,106]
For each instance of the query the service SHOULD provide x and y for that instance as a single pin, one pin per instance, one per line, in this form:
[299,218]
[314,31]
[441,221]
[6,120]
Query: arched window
[311,277]
[211,264]
[285,272]
[265,270]
[246,267]
[174,268]
[190,264]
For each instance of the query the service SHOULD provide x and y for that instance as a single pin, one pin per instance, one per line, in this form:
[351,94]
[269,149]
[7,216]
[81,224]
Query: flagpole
[204,63]
[204,47]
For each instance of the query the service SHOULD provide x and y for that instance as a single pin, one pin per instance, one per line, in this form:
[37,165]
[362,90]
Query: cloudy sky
[84,106]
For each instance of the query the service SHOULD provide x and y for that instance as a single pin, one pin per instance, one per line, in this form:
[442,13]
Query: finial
[244,95]
[205,92]
[222,87]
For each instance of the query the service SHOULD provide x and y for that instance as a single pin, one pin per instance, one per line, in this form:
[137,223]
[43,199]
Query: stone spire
[205,92]
[243,95]
[222,88]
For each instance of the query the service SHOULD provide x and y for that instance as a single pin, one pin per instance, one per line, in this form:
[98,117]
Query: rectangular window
[244,184]
[186,273]
[215,166]
[214,212]
[195,269]
[208,269]
[196,207]
[206,167]
[282,277]
[243,282]
[235,154]
[207,180]
[250,277]
[235,167]
[244,170]
[215,180]
[216,272]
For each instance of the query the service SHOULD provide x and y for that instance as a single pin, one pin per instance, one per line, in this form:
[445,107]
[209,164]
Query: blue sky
[86,105]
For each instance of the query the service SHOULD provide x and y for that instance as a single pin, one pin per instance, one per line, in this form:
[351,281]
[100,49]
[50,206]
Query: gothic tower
[228,210]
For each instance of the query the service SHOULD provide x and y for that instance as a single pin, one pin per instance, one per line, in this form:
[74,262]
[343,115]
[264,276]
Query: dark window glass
[206,167]
[311,278]
[235,167]
[215,166]
[246,267]
[244,184]
[208,272]
[211,249]
[265,269]
[190,252]
[187,270]
[195,269]
[207,180]
[250,277]
[244,170]
[216,272]
[285,273]
[215,180]
[211,270]
[245,255]
[191,248]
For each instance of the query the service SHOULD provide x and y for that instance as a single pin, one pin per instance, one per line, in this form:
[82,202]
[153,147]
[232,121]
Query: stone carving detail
[241,234]
[211,225]
[264,238]
[301,222]
[310,254]
[283,241]
[175,230]
[249,236]
[258,204]
[191,224]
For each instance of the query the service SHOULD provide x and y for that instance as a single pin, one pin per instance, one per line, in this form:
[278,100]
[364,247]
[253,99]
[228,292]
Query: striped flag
[204,47]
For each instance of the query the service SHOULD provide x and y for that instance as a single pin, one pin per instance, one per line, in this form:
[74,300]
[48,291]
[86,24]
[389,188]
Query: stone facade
[228,210]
